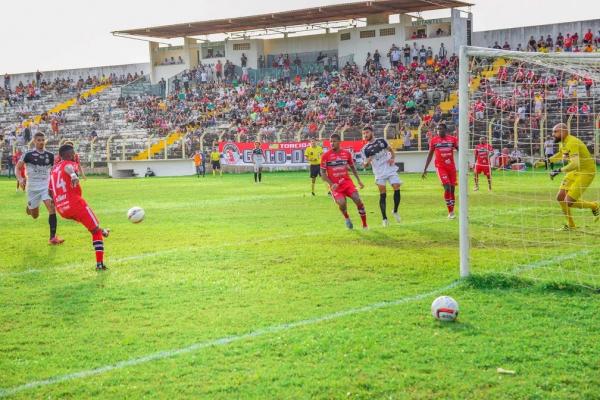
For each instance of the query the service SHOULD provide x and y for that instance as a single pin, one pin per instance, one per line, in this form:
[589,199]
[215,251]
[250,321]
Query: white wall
[177,167]
[300,44]
[166,71]
[514,36]
[75,74]
[235,55]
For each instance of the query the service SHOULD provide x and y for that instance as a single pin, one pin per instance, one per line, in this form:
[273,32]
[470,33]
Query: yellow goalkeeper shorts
[575,183]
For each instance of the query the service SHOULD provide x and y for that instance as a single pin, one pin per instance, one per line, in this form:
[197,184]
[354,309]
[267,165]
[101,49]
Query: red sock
[449,197]
[98,242]
[345,214]
[363,213]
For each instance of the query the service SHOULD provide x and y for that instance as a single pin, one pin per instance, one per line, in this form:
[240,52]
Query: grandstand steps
[67,104]
[158,146]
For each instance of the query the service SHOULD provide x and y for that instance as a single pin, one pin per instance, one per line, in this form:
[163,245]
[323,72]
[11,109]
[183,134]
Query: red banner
[291,153]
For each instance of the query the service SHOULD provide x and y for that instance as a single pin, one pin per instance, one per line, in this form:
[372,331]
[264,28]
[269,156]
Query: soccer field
[230,290]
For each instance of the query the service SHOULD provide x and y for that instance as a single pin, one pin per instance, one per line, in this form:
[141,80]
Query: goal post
[530,93]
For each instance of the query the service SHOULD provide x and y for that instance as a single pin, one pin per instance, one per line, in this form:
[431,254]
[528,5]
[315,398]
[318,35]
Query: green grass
[220,257]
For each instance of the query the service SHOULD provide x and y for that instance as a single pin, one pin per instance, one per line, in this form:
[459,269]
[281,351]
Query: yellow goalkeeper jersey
[313,155]
[573,148]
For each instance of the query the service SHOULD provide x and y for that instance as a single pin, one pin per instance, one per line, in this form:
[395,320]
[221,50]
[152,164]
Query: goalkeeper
[580,172]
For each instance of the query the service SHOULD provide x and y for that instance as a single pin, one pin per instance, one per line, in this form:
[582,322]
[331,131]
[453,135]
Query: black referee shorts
[315,170]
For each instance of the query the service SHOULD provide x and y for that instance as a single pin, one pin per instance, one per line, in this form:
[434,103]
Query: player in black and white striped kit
[38,164]
[258,159]
[380,155]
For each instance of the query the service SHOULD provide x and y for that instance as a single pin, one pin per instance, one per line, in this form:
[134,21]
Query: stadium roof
[306,16]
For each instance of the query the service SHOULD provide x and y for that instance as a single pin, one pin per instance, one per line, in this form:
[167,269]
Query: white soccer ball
[444,308]
[136,214]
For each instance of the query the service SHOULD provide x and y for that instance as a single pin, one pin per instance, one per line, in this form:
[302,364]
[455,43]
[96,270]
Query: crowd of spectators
[402,95]
[172,61]
[588,42]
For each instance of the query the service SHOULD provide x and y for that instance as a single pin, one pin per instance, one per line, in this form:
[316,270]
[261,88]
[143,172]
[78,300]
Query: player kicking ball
[443,146]
[580,172]
[380,155]
[483,152]
[38,163]
[66,192]
[334,171]
[258,159]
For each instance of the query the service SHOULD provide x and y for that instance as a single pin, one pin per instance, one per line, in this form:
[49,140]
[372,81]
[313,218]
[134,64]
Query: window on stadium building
[241,46]
[367,34]
[345,36]
[387,32]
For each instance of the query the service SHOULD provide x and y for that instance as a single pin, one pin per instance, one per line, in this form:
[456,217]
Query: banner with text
[290,153]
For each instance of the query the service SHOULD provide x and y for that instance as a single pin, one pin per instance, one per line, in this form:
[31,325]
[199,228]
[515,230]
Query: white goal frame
[464,131]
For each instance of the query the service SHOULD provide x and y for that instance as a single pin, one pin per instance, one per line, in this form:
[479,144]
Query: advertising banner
[286,153]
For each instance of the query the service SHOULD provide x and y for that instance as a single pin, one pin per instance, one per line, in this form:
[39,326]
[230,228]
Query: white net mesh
[515,99]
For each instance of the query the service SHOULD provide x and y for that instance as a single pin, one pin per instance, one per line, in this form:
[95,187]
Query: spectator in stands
[414,51]
[560,40]
[568,43]
[532,44]
[406,139]
[244,60]
[519,48]
[575,37]
[497,46]
[506,46]
[406,51]
[261,61]
[394,55]
[442,52]
[6,81]
[422,54]
[377,59]
[549,42]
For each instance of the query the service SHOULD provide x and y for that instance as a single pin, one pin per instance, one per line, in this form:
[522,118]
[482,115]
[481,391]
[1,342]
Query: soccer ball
[136,214]
[444,308]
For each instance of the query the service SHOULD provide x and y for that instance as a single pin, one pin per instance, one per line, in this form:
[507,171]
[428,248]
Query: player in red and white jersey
[66,193]
[76,160]
[443,146]
[483,152]
[334,171]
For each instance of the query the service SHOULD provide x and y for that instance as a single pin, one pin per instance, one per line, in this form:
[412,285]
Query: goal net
[513,101]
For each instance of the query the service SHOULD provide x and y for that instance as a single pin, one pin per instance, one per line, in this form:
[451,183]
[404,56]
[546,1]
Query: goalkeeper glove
[554,173]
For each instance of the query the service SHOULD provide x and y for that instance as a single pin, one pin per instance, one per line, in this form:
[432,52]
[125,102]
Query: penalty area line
[161,355]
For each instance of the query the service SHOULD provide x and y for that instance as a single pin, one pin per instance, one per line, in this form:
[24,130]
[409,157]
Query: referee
[313,155]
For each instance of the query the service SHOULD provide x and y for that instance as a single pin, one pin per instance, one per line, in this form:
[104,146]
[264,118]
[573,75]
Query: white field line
[192,248]
[219,342]
[256,333]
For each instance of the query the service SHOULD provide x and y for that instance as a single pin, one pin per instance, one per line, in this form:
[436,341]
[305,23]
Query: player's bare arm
[355,173]
[74,178]
[19,177]
[429,158]
[325,178]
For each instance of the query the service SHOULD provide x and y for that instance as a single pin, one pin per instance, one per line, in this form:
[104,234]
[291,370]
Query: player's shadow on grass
[73,301]
[407,236]
[41,258]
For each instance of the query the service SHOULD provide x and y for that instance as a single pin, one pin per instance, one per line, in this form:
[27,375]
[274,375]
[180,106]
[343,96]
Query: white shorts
[35,197]
[392,179]
[258,164]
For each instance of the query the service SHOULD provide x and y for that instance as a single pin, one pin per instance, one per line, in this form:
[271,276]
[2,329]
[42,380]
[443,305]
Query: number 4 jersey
[65,196]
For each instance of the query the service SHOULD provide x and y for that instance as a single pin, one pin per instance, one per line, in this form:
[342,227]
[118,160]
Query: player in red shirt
[443,145]
[19,172]
[483,152]
[334,171]
[66,193]
[76,159]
